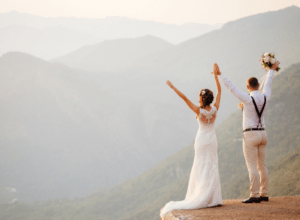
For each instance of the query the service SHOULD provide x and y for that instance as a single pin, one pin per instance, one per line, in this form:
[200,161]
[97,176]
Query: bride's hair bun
[207,97]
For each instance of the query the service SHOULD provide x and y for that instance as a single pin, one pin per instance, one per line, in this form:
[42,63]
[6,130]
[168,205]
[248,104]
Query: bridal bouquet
[267,60]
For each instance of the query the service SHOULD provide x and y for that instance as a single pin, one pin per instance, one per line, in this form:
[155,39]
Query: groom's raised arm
[268,84]
[242,96]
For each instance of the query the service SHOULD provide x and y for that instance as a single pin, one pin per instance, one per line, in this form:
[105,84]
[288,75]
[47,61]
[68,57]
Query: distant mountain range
[142,197]
[236,47]
[64,134]
[61,126]
[113,55]
[45,43]
[49,38]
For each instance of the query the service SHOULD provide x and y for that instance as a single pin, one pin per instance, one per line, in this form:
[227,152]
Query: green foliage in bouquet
[268,60]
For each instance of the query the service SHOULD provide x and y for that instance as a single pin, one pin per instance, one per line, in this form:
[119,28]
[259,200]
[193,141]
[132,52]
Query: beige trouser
[254,145]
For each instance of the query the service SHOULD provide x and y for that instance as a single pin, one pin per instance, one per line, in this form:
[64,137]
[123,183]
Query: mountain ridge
[188,65]
[45,43]
[113,55]
[111,27]
[59,119]
[143,196]
[130,133]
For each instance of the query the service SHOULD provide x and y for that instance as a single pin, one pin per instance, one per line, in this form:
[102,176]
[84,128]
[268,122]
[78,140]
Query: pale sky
[167,11]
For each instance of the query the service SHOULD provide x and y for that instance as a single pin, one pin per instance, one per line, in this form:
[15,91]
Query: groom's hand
[218,70]
[275,66]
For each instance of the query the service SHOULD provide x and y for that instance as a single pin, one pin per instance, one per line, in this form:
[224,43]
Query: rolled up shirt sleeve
[242,96]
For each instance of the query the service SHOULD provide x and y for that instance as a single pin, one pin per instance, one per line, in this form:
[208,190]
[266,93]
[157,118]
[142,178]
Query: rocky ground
[286,207]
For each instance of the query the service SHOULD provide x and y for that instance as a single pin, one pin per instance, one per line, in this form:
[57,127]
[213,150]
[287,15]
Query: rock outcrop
[286,207]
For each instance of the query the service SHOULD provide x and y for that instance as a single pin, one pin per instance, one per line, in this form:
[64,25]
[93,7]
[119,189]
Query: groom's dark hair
[253,82]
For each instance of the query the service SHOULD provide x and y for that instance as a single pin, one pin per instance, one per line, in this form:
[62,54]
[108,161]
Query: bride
[204,188]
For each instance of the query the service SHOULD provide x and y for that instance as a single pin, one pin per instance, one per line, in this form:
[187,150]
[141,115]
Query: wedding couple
[204,189]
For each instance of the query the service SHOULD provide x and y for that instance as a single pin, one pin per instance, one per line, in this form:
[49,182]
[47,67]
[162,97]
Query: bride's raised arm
[216,73]
[194,108]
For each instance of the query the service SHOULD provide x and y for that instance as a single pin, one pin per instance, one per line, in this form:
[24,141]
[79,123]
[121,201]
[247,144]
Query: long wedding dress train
[204,189]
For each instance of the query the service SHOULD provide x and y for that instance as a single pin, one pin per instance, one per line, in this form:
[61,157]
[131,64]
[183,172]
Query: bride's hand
[170,84]
[214,69]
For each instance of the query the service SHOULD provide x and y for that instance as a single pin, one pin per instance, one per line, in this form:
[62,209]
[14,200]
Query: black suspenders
[259,113]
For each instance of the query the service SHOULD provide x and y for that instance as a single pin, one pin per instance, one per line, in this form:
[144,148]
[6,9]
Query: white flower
[266,54]
[203,92]
[273,60]
[267,59]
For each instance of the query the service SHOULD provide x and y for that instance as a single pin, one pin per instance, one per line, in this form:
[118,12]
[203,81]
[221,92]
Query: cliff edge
[286,207]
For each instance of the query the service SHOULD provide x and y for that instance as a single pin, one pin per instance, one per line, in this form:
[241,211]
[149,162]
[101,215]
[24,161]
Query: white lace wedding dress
[204,189]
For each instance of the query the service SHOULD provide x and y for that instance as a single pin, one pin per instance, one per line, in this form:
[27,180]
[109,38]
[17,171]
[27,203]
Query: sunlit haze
[167,11]
[96,113]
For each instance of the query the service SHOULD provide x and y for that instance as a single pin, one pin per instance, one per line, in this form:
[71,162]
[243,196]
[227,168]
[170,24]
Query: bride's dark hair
[207,97]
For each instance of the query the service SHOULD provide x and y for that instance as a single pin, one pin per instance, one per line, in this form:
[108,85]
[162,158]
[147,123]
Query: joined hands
[216,69]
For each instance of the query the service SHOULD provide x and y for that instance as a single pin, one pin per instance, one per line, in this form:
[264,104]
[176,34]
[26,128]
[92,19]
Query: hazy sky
[167,11]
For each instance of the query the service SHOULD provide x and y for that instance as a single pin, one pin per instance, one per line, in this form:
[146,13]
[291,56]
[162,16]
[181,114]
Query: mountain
[168,181]
[285,178]
[110,27]
[60,126]
[64,134]
[113,55]
[236,47]
[142,197]
[46,43]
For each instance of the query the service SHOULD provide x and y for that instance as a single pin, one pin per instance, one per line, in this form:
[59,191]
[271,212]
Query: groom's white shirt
[250,118]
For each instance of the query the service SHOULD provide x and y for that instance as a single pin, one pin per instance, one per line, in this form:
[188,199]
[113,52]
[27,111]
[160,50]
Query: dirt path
[287,207]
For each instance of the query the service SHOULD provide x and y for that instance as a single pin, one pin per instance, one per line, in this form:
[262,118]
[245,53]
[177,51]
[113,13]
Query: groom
[254,134]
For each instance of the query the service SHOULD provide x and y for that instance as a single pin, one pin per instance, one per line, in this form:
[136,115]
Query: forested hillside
[143,196]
